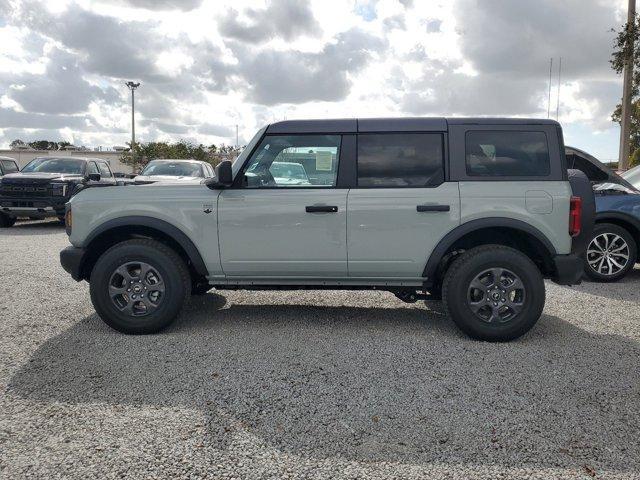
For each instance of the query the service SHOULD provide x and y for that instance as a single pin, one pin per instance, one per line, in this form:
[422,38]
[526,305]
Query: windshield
[174,169]
[55,165]
[632,176]
[288,170]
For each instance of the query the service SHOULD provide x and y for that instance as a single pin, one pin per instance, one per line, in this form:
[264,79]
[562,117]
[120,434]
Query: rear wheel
[6,221]
[611,253]
[494,293]
[139,286]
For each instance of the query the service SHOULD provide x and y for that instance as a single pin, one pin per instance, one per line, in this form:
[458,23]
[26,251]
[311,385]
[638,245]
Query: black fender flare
[622,216]
[460,231]
[165,227]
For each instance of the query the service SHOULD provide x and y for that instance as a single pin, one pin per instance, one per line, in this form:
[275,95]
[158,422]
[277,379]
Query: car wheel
[139,286]
[494,293]
[611,253]
[6,221]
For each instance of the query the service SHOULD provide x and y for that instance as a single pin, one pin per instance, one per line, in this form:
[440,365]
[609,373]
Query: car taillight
[575,216]
[68,220]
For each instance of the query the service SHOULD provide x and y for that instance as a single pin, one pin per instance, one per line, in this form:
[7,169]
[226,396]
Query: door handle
[320,209]
[433,208]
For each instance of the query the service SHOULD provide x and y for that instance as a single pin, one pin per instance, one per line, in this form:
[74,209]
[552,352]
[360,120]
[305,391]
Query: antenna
[559,78]
[549,100]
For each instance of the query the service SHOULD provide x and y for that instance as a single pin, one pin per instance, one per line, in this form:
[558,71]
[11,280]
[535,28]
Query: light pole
[132,86]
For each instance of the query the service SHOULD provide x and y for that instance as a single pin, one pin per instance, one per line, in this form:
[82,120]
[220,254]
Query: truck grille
[25,190]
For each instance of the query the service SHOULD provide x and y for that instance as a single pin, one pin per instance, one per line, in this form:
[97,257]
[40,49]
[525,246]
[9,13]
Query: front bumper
[569,269]
[72,260]
[37,207]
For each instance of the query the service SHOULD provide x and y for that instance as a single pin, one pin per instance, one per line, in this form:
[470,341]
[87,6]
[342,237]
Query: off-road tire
[167,263]
[466,268]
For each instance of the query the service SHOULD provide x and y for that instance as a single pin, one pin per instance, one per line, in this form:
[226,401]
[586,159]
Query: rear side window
[9,167]
[400,159]
[507,154]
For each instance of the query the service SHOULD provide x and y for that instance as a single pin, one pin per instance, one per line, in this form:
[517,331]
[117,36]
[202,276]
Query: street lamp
[132,86]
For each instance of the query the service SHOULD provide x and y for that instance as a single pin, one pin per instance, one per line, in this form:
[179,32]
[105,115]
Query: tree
[623,51]
[16,143]
[145,152]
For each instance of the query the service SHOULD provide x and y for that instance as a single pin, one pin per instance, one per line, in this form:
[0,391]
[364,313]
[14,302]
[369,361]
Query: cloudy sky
[208,65]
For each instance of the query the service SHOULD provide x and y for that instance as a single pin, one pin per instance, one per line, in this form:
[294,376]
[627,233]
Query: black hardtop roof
[399,124]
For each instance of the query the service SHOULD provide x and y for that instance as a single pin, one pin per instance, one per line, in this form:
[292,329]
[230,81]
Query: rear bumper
[569,269]
[72,259]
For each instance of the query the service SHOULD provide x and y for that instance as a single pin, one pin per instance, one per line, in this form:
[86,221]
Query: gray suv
[475,212]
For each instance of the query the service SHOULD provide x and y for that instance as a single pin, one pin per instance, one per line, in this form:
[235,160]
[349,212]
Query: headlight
[59,189]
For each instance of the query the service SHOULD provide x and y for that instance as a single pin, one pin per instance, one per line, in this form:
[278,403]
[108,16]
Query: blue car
[613,249]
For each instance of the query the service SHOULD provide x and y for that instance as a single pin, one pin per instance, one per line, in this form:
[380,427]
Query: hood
[38,177]
[597,172]
[165,179]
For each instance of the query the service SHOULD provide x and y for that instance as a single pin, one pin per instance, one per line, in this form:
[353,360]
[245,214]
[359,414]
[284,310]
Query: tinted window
[592,172]
[8,166]
[507,153]
[104,170]
[294,161]
[400,160]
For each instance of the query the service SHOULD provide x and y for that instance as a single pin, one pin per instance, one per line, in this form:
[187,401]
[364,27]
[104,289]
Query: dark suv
[45,184]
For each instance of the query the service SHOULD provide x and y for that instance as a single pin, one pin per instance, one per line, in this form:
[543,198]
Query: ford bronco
[476,212]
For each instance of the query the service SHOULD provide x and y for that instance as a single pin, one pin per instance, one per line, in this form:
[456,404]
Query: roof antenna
[549,100]
[559,77]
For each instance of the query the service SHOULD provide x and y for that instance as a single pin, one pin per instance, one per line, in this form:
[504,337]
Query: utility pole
[132,86]
[559,82]
[549,99]
[625,124]
[237,141]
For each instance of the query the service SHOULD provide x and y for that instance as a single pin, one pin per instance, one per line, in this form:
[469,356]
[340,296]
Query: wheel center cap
[495,295]
[137,288]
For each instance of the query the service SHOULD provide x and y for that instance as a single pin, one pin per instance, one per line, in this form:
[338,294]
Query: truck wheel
[494,293]
[6,221]
[139,286]
[611,253]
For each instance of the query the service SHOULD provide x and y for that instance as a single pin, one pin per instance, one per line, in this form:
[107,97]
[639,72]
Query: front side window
[400,159]
[104,170]
[92,168]
[9,167]
[294,161]
[55,165]
[507,154]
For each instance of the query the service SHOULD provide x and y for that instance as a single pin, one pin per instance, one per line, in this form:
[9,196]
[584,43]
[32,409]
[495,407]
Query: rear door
[401,207]
[286,217]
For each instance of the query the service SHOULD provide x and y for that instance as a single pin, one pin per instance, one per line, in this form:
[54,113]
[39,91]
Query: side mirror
[223,178]
[94,177]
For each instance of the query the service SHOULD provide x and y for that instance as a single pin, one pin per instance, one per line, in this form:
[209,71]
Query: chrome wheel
[496,295]
[136,289]
[608,254]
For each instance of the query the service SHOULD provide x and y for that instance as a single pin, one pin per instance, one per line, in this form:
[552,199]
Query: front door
[285,217]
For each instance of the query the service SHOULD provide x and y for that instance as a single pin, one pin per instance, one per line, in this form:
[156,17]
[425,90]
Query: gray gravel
[309,385]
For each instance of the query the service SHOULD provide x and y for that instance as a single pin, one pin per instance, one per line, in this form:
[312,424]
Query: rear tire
[494,293]
[6,221]
[621,247]
[139,286]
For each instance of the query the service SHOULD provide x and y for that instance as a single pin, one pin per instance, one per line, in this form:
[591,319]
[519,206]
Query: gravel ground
[309,385]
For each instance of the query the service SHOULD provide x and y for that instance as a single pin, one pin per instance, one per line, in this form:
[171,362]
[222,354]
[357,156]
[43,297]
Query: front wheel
[494,293]
[6,221]
[611,253]
[139,286]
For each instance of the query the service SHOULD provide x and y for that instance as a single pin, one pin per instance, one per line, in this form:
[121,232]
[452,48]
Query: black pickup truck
[45,184]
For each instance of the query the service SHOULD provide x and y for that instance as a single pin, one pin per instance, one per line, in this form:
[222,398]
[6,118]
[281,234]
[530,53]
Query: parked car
[613,248]
[174,170]
[476,211]
[8,165]
[283,174]
[45,184]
